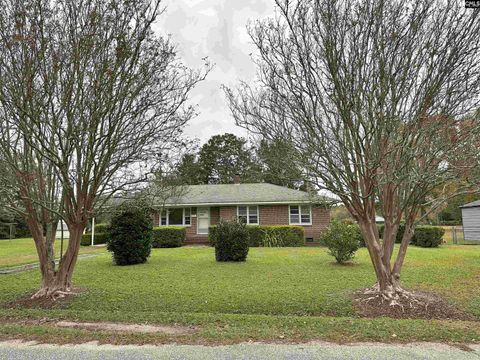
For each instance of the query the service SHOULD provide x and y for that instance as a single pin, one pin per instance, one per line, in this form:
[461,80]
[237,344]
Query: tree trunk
[388,277]
[58,283]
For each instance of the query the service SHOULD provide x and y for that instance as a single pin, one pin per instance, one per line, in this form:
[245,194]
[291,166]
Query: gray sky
[217,29]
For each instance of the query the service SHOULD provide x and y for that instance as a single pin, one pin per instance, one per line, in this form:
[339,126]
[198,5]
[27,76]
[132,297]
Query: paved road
[20,351]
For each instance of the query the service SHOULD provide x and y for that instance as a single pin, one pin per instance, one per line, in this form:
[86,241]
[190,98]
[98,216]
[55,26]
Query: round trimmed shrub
[428,236]
[341,240]
[130,234]
[231,241]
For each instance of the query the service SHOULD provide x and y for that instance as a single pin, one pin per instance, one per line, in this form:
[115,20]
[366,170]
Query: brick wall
[320,222]
[214,215]
[273,215]
[228,212]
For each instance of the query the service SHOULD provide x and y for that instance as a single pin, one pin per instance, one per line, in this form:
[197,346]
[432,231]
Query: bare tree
[167,184]
[88,94]
[374,95]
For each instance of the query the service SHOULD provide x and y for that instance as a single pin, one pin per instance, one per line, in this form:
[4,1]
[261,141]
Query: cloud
[217,29]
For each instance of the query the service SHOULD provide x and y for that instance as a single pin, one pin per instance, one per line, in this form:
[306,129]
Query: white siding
[471,223]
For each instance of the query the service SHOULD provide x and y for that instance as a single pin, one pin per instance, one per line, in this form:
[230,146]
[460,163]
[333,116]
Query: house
[201,206]
[471,221]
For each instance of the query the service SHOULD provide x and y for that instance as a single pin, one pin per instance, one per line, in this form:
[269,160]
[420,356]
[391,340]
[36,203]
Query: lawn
[291,293]
[22,251]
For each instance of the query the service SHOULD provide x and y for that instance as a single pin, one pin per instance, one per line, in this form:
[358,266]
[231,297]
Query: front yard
[22,251]
[283,294]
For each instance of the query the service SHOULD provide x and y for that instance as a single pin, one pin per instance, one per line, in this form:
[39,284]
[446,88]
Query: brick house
[257,203]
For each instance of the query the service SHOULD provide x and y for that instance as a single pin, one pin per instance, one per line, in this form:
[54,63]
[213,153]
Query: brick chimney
[236,179]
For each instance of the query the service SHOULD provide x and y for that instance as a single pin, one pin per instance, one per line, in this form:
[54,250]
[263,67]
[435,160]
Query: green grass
[291,293]
[22,251]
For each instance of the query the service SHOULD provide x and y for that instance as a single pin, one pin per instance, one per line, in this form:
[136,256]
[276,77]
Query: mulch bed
[431,307]
[43,303]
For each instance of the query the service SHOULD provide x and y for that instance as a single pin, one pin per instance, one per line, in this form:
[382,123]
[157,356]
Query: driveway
[15,350]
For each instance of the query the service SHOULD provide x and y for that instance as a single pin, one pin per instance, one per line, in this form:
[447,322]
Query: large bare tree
[375,96]
[88,94]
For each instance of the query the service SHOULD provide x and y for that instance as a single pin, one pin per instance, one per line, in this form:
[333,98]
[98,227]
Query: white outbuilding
[471,221]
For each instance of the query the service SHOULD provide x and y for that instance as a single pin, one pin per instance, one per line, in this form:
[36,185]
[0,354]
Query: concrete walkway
[14,350]
[26,267]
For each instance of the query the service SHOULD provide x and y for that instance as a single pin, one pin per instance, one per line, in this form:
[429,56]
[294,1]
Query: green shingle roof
[232,194]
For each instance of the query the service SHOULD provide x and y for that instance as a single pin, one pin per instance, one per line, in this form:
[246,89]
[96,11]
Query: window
[248,214]
[253,214]
[163,218]
[300,214]
[294,215]
[176,216]
[242,213]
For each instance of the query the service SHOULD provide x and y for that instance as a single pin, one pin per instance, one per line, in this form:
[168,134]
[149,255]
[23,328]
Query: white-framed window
[300,214]
[248,214]
[176,217]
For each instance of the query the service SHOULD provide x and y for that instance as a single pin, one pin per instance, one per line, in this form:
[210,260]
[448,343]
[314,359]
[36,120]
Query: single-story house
[201,206]
[471,221]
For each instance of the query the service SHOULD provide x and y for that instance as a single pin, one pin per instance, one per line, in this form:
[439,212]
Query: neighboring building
[379,219]
[258,204]
[471,221]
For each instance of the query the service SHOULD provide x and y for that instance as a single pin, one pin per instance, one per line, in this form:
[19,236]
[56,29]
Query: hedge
[450,222]
[100,238]
[428,236]
[101,235]
[168,236]
[424,235]
[400,232]
[269,235]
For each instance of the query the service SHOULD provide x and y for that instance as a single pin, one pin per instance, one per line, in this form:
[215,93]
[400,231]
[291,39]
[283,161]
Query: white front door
[203,220]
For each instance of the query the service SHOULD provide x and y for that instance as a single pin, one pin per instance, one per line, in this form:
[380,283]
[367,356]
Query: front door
[203,220]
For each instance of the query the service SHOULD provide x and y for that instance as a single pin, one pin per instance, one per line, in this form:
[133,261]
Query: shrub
[451,223]
[288,235]
[400,232]
[341,240]
[100,239]
[231,241]
[256,235]
[428,236]
[130,234]
[168,236]
[101,228]
[358,235]
[269,235]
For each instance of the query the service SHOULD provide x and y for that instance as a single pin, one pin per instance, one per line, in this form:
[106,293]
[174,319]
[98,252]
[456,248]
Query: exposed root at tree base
[405,304]
[45,301]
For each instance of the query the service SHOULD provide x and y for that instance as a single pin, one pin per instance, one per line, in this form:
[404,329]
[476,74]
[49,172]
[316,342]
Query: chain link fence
[455,235]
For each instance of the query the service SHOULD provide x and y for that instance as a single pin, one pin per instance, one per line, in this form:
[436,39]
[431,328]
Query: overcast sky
[217,29]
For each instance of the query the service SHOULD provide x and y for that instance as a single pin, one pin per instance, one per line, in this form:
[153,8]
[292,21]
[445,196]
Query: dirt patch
[43,303]
[131,328]
[426,305]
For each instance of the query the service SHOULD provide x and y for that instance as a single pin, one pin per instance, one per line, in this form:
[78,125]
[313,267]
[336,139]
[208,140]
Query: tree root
[395,297]
[396,302]
[52,293]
